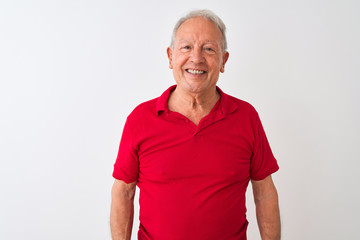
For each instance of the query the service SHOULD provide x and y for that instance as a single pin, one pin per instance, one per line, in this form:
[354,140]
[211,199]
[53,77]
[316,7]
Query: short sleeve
[263,162]
[126,167]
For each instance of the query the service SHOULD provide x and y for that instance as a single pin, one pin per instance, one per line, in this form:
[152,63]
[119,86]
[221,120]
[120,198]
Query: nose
[197,55]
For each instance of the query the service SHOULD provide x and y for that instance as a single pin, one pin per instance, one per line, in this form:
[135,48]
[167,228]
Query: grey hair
[207,14]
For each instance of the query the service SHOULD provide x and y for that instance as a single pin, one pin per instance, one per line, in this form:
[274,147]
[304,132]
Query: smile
[194,71]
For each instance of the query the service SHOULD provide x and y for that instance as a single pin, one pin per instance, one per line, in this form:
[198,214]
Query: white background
[71,71]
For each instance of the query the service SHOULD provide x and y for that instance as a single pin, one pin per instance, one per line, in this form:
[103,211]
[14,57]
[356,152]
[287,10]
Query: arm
[122,210]
[267,208]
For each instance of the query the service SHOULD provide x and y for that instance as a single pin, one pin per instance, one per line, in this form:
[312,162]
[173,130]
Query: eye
[185,48]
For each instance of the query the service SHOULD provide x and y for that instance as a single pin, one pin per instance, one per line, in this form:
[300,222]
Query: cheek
[216,66]
[180,59]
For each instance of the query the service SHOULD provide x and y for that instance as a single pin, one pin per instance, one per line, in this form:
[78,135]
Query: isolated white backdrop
[71,71]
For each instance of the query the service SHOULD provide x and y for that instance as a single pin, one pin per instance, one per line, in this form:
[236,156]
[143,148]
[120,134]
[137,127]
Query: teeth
[195,71]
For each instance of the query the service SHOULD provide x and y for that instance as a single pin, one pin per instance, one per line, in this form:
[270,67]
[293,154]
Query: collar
[226,105]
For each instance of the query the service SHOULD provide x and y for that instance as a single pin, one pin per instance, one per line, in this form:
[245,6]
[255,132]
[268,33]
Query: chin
[195,87]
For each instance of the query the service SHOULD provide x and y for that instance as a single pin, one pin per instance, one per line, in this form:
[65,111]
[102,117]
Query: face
[197,58]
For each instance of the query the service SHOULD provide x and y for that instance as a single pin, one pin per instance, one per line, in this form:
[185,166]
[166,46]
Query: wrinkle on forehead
[186,40]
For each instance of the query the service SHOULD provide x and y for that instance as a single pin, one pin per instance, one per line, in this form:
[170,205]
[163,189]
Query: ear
[225,58]
[169,54]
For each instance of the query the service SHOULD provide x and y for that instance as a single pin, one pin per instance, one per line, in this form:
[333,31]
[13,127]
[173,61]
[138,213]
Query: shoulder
[245,114]
[242,106]
[144,109]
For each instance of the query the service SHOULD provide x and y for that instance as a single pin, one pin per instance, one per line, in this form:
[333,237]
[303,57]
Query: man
[193,150]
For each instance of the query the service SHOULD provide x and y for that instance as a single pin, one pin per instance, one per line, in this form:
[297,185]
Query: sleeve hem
[124,179]
[266,174]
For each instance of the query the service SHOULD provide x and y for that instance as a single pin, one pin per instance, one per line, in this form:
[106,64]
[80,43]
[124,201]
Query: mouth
[195,71]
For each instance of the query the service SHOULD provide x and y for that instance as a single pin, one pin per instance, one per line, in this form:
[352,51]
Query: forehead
[198,28]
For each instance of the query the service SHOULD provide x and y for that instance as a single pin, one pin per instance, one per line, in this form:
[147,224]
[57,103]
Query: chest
[177,152]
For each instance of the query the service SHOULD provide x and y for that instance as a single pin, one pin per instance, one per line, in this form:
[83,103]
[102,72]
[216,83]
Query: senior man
[193,150]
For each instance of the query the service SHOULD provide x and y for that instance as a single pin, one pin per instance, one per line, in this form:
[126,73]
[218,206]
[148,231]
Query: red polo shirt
[193,179]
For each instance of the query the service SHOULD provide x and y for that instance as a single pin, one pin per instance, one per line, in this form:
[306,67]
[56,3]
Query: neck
[194,102]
